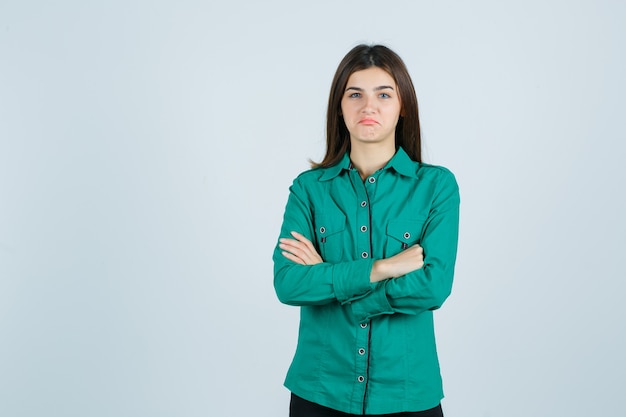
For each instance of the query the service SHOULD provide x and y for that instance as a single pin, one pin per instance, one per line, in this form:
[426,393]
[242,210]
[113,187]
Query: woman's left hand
[300,250]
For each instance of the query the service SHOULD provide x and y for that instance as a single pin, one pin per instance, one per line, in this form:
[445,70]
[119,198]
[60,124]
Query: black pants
[300,407]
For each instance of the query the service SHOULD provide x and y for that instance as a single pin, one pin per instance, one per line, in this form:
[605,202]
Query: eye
[384,95]
[355,95]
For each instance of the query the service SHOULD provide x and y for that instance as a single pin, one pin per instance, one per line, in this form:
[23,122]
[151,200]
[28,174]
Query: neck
[369,158]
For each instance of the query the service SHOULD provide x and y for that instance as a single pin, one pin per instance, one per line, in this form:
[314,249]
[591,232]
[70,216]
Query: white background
[146,150]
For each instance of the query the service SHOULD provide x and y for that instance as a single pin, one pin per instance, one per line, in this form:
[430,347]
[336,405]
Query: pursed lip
[368,121]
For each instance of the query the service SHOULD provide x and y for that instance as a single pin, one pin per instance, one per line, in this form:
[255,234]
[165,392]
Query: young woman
[367,250]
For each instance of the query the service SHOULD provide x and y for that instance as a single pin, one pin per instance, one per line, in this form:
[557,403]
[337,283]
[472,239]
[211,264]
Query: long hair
[408,128]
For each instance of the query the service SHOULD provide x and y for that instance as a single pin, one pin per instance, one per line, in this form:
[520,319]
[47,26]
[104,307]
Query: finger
[293,258]
[418,248]
[299,250]
[297,235]
[300,237]
[302,248]
[293,246]
[302,243]
[303,257]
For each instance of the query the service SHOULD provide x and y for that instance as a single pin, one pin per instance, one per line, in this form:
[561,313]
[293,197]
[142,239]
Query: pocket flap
[328,225]
[406,231]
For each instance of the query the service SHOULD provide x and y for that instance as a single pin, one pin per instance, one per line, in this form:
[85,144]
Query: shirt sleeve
[323,283]
[428,287]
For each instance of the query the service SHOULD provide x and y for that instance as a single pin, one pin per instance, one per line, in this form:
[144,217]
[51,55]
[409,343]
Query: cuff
[352,279]
[374,304]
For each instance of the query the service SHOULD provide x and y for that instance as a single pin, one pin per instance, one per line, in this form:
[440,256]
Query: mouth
[368,122]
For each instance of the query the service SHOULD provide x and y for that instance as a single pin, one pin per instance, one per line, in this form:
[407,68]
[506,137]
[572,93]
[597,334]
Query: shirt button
[363,325]
[364,255]
[360,378]
[363,229]
[363,203]
[322,229]
[372,180]
[361,351]
[407,235]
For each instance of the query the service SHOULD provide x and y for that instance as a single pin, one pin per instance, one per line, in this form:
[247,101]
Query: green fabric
[350,328]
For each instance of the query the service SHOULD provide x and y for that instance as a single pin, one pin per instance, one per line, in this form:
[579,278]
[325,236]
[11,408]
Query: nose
[369,105]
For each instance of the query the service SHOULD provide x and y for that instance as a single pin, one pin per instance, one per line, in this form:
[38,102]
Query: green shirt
[369,348]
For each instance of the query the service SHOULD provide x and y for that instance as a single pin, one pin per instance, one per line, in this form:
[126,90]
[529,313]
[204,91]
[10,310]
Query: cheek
[397,110]
[342,110]
[348,110]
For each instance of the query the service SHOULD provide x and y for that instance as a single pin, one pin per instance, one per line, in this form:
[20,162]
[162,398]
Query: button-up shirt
[369,348]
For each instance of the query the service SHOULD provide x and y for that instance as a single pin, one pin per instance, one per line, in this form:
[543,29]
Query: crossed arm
[406,283]
[301,251]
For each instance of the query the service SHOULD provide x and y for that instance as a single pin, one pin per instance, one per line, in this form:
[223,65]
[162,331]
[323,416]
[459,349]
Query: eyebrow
[382,87]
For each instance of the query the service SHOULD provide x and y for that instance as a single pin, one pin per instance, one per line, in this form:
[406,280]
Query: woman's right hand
[398,265]
[300,250]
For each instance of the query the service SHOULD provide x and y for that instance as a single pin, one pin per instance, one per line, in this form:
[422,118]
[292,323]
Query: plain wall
[147,147]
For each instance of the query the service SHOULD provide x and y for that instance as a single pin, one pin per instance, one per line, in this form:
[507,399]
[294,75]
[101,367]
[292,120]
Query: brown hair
[408,128]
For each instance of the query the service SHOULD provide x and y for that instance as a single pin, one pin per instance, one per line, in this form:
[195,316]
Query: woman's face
[371,106]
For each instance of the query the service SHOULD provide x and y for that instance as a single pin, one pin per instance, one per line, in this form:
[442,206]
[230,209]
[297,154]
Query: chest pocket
[329,235]
[401,234]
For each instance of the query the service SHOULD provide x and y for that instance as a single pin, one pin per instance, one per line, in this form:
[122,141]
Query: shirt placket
[364,190]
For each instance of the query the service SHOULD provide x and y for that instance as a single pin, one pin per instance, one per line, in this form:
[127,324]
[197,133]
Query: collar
[331,172]
[400,162]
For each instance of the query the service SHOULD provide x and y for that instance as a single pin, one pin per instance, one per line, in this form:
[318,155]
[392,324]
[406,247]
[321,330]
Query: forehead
[370,77]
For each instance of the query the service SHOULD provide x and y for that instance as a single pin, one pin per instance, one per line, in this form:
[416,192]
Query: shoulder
[436,173]
[310,175]
[316,176]
[307,183]
[442,183]
[310,188]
